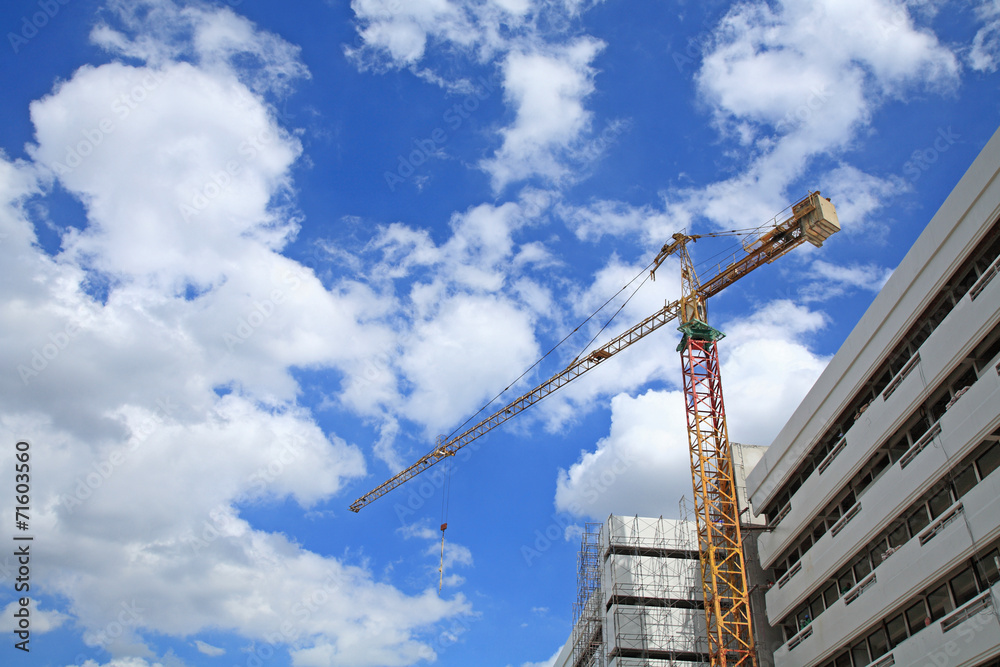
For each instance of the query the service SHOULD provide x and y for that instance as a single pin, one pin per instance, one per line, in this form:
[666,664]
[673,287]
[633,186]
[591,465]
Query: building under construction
[878,538]
[639,596]
[639,599]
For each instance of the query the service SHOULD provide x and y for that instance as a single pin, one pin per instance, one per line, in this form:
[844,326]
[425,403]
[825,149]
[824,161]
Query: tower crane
[727,607]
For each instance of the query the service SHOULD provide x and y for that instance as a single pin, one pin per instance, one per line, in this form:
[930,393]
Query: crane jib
[813,219]
[577,368]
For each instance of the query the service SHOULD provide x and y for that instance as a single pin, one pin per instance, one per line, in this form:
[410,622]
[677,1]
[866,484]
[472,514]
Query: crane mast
[720,544]
[727,607]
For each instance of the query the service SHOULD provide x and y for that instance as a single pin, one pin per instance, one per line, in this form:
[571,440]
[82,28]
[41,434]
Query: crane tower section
[720,546]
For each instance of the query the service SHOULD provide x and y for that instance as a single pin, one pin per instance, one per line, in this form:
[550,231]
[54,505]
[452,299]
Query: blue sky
[256,257]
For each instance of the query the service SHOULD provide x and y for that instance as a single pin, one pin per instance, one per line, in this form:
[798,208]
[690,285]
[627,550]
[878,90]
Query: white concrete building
[882,490]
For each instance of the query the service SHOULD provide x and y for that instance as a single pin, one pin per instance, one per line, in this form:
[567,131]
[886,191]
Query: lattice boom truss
[727,608]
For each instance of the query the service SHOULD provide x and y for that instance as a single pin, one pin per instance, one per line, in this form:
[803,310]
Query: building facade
[882,492]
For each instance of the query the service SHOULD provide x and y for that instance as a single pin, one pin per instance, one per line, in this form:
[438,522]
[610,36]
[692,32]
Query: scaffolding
[639,594]
[653,597]
[588,624]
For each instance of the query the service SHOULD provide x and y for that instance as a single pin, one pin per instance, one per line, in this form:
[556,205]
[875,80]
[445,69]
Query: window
[965,480]
[846,581]
[816,606]
[896,627]
[989,461]
[899,536]
[916,615]
[918,520]
[803,618]
[989,568]
[963,587]
[830,595]
[859,653]
[877,643]
[876,550]
[789,628]
[939,602]
[939,502]
[843,660]
[848,501]
[862,568]
[898,446]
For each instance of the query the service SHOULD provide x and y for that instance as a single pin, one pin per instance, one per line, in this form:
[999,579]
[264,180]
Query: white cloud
[160,31]
[464,314]
[767,368]
[615,218]
[397,34]
[546,88]
[798,80]
[832,280]
[208,649]
[121,662]
[544,663]
[984,55]
[545,77]
[147,467]
[41,621]
[453,360]
[857,196]
[642,466]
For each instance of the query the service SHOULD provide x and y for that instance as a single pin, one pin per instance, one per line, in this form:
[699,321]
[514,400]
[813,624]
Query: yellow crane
[727,608]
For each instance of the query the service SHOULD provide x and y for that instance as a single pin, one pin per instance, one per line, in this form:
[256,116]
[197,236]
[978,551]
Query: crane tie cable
[556,346]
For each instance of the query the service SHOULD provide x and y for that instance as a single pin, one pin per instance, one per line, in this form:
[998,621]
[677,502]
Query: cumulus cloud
[792,81]
[832,280]
[42,620]
[642,466]
[546,78]
[151,356]
[544,663]
[547,89]
[396,34]
[619,219]
[984,55]
[208,649]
